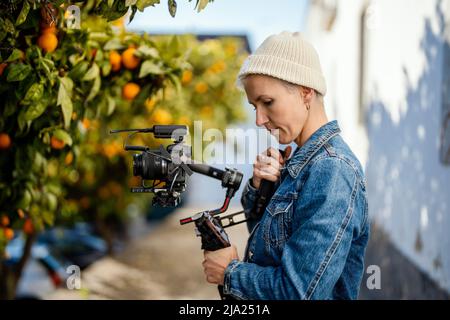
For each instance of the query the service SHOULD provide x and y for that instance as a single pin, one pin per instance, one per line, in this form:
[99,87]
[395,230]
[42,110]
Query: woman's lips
[272,130]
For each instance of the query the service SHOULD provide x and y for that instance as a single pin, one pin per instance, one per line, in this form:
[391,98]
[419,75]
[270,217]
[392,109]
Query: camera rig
[171,167]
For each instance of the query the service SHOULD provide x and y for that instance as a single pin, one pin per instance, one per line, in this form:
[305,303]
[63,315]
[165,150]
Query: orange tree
[63,89]
[103,197]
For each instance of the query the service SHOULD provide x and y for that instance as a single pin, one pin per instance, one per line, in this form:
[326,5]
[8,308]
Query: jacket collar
[303,154]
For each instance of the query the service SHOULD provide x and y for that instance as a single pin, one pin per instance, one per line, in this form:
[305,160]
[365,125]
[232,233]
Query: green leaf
[35,110]
[176,81]
[202,5]
[23,13]
[48,65]
[10,107]
[117,10]
[130,2]
[21,120]
[63,135]
[18,72]
[2,34]
[142,4]
[15,55]
[95,89]
[133,12]
[79,70]
[99,36]
[64,99]
[33,94]
[145,51]
[111,105]
[52,203]
[149,67]
[24,202]
[113,44]
[8,26]
[172,8]
[106,69]
[92,73]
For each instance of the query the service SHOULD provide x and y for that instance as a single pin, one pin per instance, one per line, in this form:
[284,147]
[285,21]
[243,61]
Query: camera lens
[137,164]
[149,166]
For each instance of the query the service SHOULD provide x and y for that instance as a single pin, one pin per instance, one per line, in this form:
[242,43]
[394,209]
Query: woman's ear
[307,94]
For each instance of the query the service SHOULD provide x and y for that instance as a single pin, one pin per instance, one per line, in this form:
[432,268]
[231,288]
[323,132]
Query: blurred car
[52,253]
[77,244]
[42,273]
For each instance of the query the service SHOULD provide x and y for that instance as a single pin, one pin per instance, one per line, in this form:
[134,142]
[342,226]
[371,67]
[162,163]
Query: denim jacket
[311,239]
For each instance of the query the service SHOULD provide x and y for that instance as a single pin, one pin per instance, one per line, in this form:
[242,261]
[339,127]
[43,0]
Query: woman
[311,239]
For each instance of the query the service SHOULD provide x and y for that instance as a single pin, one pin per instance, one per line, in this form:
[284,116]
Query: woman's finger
[263,161]
[265,175]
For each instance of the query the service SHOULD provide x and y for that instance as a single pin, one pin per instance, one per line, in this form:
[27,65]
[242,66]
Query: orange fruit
[28,227]
[206,111]
[20,213]
[217,67]
[130,91]
[5,220]
[69,158]
[129,60]
[2,67]
[86,123]
[119,22]
[9,233]
[5,141]
[201,87]
[184,120]
[161,116]
[49,29]
[186,77]
[115,59]
[47,42]
[57,143]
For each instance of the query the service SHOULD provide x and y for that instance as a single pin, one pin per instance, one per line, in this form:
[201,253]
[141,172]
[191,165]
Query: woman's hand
[268,165]
[216,262]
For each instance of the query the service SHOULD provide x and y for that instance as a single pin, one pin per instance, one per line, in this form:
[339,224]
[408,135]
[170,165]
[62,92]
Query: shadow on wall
[408,181]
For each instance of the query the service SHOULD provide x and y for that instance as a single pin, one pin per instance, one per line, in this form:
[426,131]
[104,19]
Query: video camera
[164,166]
[171,167]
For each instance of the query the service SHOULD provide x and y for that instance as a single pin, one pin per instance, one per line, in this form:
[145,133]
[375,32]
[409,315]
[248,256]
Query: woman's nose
[261,118]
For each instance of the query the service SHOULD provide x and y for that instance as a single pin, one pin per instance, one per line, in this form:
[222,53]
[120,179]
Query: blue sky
[255,18]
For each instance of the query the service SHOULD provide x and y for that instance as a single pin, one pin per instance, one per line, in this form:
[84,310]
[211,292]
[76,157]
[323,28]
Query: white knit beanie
[286,56]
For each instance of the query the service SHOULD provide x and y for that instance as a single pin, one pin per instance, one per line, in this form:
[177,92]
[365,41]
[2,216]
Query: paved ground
[163,264]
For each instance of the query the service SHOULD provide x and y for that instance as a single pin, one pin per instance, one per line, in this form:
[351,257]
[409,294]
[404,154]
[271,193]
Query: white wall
[407,183]
[339,55]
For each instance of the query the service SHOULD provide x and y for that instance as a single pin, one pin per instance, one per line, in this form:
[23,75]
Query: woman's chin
[284,140]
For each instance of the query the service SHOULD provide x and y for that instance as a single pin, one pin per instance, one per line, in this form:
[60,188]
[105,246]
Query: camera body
[152,164]
[166,167]
[169,168]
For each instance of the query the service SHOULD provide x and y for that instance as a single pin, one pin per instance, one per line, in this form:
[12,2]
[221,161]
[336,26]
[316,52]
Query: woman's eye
[267,103]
